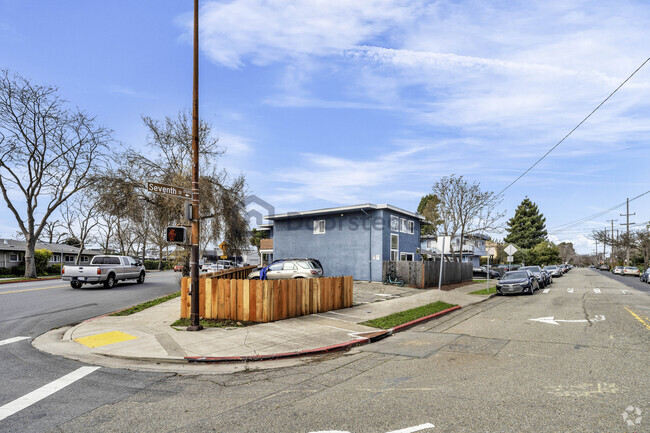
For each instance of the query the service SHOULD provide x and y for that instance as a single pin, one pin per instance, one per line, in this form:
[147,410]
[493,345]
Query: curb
[405,326]
[379,335]
[29,280]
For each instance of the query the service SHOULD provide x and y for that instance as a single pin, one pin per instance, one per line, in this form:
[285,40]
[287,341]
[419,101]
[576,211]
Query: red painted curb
[407,325]
[341,346]
[219,359]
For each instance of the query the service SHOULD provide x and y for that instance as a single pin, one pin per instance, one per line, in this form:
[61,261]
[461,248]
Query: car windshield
[515,275]
[532,268]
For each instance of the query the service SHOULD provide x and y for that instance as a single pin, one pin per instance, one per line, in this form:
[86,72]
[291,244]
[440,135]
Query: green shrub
[42,259]
[153,264]
[53,269]
[19,270]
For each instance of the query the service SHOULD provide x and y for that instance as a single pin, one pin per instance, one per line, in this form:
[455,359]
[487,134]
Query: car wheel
[76,284]
[110,282]
[141,278]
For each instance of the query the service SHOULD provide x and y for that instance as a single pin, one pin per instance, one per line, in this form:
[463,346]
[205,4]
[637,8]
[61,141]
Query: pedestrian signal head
[176,235]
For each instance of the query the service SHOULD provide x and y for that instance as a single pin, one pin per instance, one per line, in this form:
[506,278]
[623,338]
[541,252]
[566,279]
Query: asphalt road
[582,366]
[628,281]
[32,308]
[573,358]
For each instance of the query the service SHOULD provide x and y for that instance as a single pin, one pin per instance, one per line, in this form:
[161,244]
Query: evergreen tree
[528,227]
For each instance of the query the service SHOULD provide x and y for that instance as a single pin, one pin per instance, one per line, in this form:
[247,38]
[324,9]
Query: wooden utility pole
[194,260]
[627,215]
[612,244]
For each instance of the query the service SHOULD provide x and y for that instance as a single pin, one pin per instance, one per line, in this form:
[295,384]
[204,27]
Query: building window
[84,258]
[319,227]
[55,258]
[394,223]
[14,258]
[407,226]
[406,256]
[394,247]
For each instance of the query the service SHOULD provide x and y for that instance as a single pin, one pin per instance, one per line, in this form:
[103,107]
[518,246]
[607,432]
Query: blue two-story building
[349,240]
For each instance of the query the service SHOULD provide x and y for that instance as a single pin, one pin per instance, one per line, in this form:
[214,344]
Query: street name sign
[175,191]
[510,250]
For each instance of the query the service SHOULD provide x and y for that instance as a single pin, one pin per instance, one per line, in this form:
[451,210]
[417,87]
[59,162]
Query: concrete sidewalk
[147,337]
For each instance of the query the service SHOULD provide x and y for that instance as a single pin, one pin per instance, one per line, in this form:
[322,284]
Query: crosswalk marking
[43,392]
[12,340]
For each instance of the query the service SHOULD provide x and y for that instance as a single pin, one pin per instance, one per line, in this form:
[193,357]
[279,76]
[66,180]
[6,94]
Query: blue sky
[327,103]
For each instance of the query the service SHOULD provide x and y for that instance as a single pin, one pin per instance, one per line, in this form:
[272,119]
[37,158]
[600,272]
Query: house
[473,247]
[12,253]
[349,240]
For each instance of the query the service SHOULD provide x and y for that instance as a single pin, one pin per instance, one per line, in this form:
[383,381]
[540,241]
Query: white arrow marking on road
[597,291]
[553,321]
[569,290]
[13,340]
[44,391]
[546,290]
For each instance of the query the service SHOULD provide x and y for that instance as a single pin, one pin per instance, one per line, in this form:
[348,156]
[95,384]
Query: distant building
[349,240]
[473,247]
[12,253]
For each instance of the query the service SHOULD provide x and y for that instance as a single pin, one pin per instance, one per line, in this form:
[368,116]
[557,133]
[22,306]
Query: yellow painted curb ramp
[104,339]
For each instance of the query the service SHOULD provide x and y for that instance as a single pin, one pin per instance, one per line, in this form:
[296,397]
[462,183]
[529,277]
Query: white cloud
[266,31]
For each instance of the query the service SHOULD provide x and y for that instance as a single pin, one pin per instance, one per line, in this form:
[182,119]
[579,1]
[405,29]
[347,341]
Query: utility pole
[612,253]
[627,215]
[195,324]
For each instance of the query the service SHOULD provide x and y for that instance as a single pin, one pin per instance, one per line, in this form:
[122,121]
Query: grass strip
[406,316]
[214,323]
[490,291]
[145,305]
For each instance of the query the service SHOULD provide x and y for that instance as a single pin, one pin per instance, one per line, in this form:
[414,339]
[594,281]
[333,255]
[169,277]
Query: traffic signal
[176,235]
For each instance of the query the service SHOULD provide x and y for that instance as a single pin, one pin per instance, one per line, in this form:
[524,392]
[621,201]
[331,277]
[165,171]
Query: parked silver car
[288,268]
[554,270]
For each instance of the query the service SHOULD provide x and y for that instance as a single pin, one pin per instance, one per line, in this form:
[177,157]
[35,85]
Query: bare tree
[221,210]
[80,214]
[465,209]
[47,154]
[50,233]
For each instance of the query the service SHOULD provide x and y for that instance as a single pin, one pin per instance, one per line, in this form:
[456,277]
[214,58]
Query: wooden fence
[236,273]
[268,300]
[426,273]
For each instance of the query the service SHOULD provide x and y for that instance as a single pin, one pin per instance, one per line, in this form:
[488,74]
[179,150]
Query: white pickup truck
[105,270]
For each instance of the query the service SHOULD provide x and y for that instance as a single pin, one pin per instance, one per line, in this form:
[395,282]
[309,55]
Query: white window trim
[319,227]
[403,256]
[407,226]
[11,255]
[394,250]
[394,218]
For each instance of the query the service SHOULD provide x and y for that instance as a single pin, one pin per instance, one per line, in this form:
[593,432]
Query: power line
[566,226]
[577,126]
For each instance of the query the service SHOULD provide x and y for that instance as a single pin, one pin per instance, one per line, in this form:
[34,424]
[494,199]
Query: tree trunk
[30,262]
